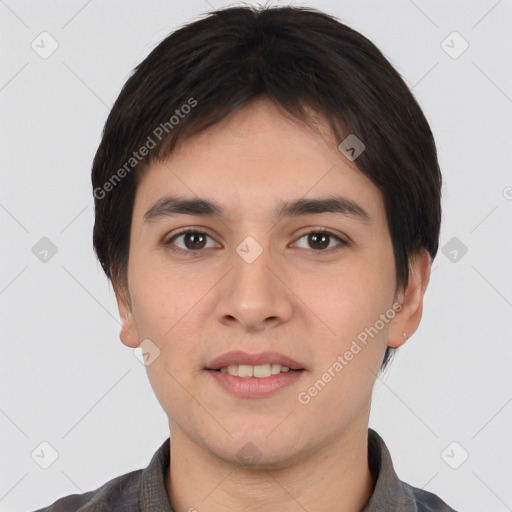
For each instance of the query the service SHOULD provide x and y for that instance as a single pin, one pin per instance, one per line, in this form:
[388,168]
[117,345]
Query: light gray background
[66,378]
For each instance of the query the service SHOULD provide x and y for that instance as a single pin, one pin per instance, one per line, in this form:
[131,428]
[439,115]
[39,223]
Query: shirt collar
[388,492]
[153,493]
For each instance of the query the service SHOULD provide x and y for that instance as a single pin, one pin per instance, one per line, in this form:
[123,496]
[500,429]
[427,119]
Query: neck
[336,473]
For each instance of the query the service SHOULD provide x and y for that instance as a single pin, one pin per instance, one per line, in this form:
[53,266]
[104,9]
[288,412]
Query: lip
[240,357]
[254,387]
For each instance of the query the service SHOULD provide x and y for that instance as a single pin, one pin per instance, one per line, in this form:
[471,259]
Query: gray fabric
[144,490]
[390,494]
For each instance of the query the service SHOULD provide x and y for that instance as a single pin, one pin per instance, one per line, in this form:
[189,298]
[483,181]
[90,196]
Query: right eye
[193,238]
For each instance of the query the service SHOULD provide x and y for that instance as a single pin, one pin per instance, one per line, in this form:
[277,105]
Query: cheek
[169,308]
[160,297]
[164,311]
[351,302]
[348,297]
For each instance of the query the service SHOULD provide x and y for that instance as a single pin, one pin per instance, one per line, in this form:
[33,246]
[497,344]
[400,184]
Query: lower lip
[254,387]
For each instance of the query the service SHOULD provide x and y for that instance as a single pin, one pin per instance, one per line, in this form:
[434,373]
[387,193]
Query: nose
[254,296]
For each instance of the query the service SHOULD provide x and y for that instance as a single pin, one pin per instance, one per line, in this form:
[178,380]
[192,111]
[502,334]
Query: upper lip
[240,357]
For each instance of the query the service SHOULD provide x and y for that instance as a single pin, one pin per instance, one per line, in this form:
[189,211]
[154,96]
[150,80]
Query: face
[304,284]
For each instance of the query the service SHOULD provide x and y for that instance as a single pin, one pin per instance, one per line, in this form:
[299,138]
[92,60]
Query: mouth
[254,375]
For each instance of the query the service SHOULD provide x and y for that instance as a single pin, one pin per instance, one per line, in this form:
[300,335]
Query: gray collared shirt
[144,490]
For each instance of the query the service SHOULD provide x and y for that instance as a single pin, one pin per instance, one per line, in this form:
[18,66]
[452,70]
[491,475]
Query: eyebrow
[171,206]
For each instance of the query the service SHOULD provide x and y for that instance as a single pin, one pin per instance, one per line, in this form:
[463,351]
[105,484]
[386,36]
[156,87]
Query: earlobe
[406,321]
[128,334]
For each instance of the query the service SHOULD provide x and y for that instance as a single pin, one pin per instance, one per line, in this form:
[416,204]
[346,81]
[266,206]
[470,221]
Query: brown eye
[192,241]
[319,242]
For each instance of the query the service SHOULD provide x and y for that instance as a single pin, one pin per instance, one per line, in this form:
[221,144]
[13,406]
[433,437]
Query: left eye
[322,240]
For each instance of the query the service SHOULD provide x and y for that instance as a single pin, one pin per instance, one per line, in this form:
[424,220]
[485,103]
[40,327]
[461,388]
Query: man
[267,197]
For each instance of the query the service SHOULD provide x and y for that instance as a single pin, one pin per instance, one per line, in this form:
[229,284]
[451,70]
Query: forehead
[255,159]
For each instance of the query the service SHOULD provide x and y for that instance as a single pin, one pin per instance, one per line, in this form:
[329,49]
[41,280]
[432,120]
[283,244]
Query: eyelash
[320,252]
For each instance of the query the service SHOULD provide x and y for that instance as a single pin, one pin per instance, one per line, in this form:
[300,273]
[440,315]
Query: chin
[252,456]
[263,448]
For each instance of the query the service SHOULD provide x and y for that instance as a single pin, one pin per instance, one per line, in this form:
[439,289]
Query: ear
[407,319]
[129,334]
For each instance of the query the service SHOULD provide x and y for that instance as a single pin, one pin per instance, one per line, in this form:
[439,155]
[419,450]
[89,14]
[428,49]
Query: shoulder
[120,493]
[425,501]
[391,493]
[137,490]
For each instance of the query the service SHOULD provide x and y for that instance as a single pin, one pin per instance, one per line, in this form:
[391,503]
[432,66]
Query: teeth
[244,370]
[259,371]
[276,368]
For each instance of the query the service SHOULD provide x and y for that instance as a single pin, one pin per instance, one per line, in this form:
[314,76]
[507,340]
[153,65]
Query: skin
[290,299]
